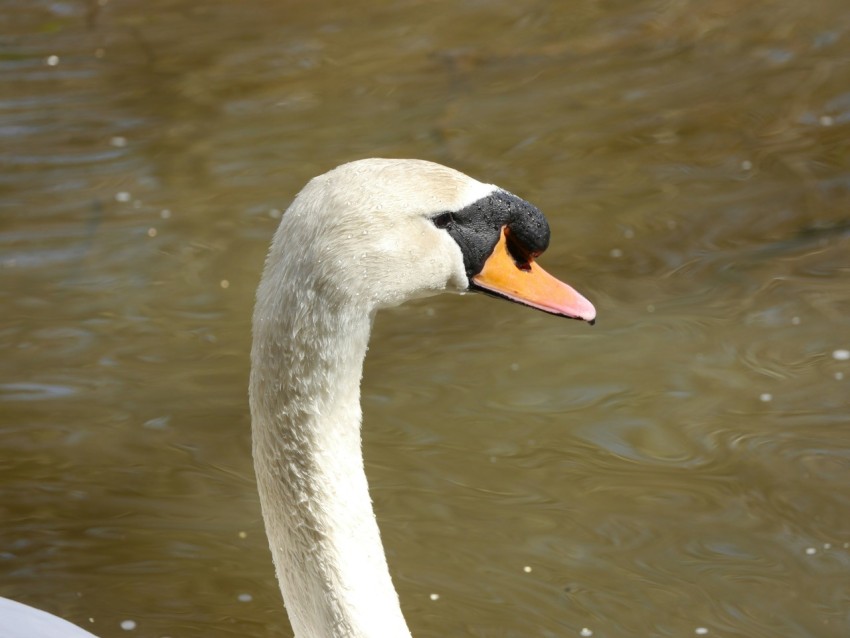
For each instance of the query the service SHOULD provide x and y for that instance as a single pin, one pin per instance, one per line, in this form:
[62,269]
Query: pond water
[682,468]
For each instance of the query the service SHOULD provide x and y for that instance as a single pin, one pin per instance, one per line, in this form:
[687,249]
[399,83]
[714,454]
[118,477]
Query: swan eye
[443,220]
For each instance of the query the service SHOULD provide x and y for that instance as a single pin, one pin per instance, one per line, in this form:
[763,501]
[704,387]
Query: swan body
[367,235]
[22,621]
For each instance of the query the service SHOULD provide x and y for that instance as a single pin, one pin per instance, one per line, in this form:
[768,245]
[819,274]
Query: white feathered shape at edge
[22,621]
[361,237]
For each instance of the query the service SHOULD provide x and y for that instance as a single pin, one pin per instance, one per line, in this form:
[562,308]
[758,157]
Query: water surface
[681,466]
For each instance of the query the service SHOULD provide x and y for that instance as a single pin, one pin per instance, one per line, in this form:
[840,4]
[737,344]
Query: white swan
[366,235]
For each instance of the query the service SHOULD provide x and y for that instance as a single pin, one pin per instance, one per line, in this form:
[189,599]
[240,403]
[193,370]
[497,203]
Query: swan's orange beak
[527,283]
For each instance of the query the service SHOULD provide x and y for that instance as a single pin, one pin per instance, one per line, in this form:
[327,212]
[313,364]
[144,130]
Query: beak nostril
[521,255]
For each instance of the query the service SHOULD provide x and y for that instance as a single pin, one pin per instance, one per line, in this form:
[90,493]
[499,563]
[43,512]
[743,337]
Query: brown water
[685,464]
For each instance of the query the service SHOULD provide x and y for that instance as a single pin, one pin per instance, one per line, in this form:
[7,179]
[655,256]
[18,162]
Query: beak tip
[586,310]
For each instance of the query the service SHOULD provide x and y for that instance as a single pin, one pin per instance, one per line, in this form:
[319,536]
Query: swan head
[378,232]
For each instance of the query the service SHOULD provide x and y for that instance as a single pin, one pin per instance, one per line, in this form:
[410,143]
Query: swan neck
[305,404]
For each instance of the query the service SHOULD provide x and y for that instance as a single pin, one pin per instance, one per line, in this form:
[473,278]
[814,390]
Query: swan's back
[22,621]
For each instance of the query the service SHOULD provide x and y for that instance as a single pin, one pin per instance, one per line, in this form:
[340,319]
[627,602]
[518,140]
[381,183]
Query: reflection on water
[682,465]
